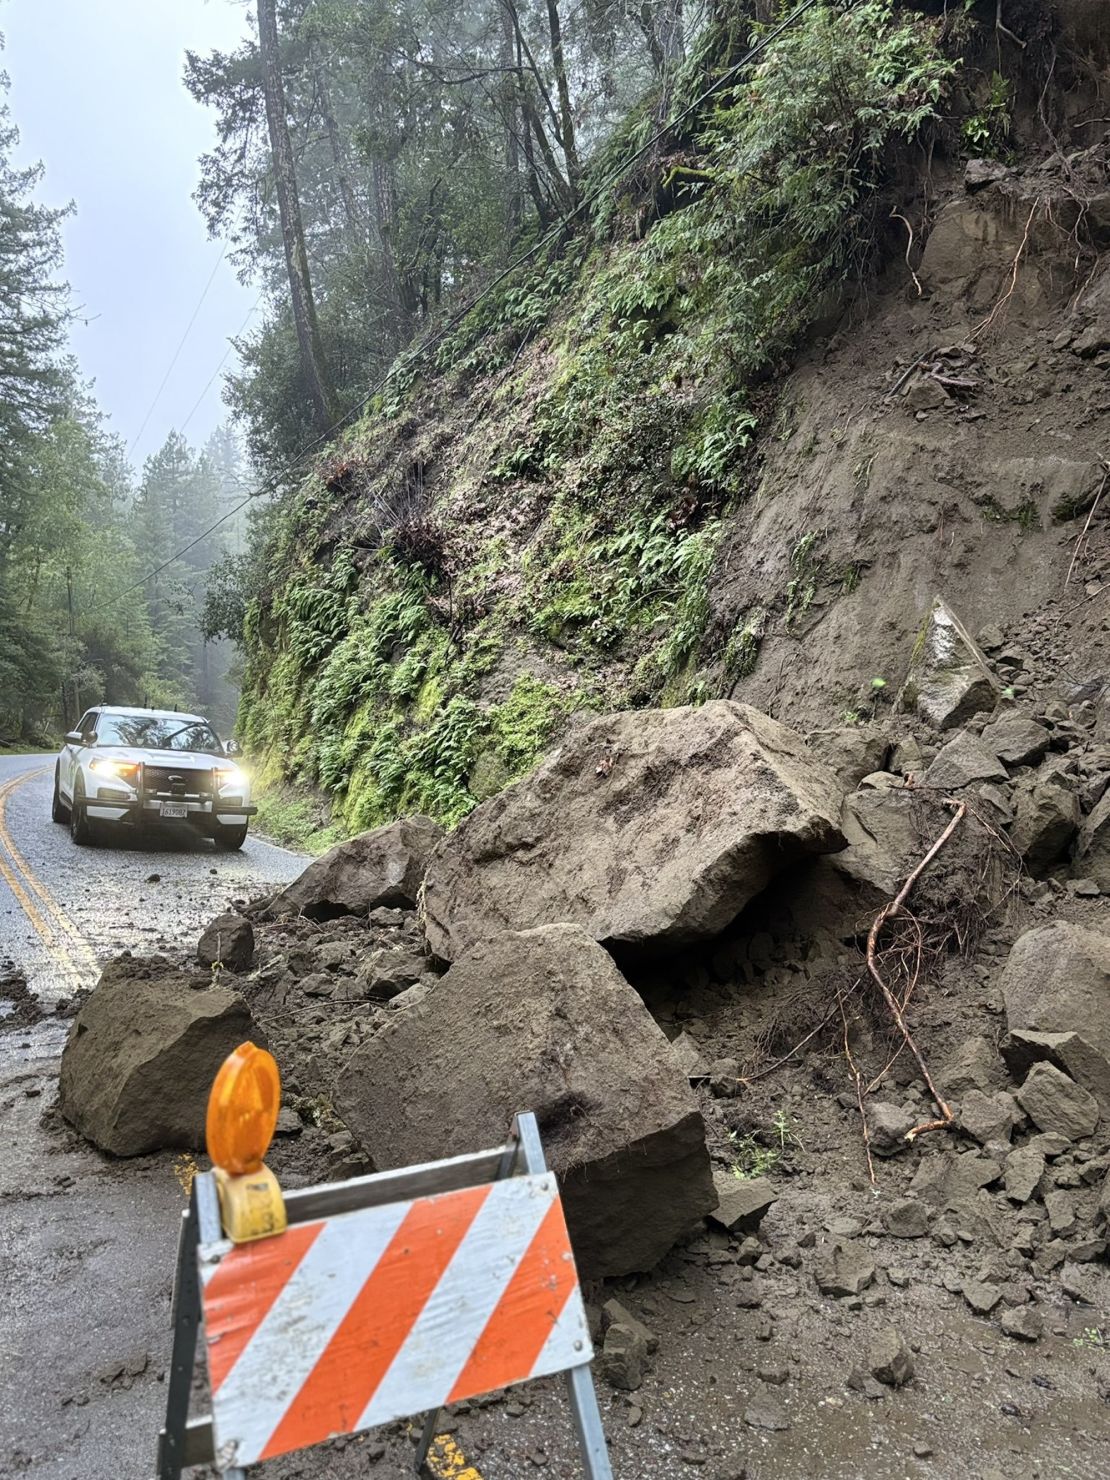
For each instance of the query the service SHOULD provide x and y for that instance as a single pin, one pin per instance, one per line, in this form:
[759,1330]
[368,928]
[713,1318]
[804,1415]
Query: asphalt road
[64,909]
[87,1244]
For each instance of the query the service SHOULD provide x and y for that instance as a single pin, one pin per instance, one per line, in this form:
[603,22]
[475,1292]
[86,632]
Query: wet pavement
[87,1244]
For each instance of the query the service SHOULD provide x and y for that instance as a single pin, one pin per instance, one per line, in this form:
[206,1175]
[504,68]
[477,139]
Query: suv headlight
[228,776]
[126,771]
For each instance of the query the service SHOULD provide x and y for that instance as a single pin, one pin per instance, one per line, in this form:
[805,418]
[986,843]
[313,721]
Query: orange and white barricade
[382,1298]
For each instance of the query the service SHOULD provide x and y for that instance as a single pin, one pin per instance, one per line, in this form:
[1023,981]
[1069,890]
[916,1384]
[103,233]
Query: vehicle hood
[176,760]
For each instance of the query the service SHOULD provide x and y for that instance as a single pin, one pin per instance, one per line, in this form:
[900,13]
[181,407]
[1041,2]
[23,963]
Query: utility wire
[177,351]
[403,361]
[220,366]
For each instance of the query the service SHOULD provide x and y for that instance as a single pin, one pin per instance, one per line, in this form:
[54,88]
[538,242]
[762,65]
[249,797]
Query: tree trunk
[514,206]
[664,26]
[342,176]
[292,226]
[562,85]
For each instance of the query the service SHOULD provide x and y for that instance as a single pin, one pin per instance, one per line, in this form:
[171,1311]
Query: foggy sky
[97,95]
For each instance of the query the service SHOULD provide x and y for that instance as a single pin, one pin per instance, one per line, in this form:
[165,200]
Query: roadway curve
[64,909]
[87,1244]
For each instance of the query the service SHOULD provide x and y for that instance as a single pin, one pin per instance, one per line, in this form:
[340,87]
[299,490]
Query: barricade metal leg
[587,1423]
[186,1321]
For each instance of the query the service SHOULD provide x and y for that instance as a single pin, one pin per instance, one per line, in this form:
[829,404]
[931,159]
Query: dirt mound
[542,1020]
[141,1055]
[649,827]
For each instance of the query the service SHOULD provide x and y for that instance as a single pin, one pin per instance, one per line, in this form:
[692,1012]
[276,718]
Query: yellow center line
[51,923]
[446,1461]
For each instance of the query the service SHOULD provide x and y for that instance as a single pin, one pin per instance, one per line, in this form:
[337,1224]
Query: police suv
[146,767]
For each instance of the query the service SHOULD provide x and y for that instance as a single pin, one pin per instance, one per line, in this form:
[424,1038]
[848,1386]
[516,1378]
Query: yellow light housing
[243,1110]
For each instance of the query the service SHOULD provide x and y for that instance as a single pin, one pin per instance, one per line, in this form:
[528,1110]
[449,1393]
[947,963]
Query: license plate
[174,809]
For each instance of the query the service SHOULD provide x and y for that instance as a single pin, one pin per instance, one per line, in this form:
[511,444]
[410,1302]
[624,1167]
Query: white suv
[148,766]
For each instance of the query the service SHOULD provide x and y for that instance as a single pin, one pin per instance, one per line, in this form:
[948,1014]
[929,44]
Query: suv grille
[173,784]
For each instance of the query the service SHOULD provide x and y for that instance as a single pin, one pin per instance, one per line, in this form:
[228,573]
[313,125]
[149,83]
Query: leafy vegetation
[599,414]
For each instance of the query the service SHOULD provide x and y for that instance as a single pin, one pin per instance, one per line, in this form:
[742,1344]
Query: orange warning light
[243,1110]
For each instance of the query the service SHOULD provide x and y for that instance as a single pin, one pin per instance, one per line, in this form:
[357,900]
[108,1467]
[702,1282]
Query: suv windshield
[157,734]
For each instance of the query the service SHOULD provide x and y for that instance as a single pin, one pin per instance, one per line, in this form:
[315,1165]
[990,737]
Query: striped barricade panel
[356,1320]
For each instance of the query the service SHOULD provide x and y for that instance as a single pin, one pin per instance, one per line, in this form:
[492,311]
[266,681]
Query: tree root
[890,912]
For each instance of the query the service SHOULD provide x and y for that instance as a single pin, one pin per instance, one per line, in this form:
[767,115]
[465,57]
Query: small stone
[765,1412]
[981,1297]
[1061,1213]
[889,1125]
[921,1450]
[1023,1173]
[742,1201]
[890,1358]
[843,1269]
[1056,1103]
[288,1122]
[1017,740]
[907,1218]
[227,942]
[988,1117]
[1024,1323]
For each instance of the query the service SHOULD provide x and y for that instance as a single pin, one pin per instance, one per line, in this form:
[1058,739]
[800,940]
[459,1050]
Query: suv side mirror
[74,737]
[232,747]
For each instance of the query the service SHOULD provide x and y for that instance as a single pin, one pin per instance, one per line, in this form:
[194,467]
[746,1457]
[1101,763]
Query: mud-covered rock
[1054,1102]
[627,1345]
[907,1218]
[1068,1051]
[889,1125]
[1046,819]
[1023,1322]
[1023,1172]
[1057,980]
[1017,740]
[988,1117]
[542,1020]
[889,1357]
[742,1201]
[949,680]
[142,1053]
[227,942]
[850,751]
[843,1268]
[962,762]
[382,867]
[1092,849]
[656,826]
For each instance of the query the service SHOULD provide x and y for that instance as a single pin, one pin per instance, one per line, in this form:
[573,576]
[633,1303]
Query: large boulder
[651,827]
[1056,981]
[1092,849]
[948,679]
[542,1020]
[142,1053]
[382,867]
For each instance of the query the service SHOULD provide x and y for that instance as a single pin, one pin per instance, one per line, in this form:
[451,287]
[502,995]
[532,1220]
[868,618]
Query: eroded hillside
[835,344]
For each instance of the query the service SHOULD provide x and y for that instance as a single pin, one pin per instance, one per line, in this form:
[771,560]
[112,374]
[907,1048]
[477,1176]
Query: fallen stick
[890,912]
[858,1077]
[1082,538]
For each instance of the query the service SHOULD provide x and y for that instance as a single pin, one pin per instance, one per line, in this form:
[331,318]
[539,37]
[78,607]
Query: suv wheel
[81,829]
[229,837]
[59,812]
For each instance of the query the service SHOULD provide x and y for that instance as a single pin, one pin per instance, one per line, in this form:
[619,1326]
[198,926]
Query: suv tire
[59,812]
[230,838]
[81,828]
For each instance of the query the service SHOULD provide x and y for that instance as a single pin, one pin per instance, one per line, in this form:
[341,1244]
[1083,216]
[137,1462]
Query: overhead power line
[404,361]
[177,351]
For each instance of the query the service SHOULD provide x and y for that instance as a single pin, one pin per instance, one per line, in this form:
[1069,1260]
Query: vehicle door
[71,752]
